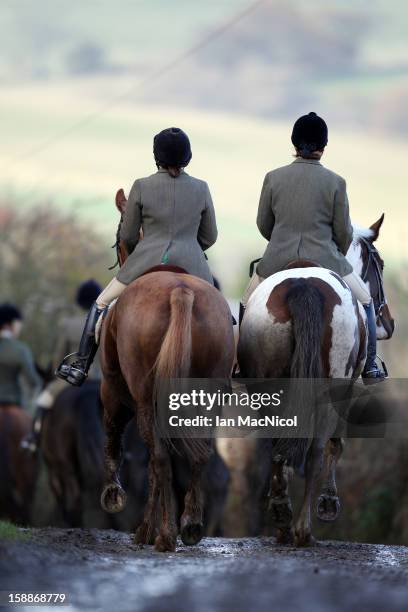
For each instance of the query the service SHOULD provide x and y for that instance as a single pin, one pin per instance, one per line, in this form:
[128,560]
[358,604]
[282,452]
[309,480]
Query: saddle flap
[302,263]
[98,326]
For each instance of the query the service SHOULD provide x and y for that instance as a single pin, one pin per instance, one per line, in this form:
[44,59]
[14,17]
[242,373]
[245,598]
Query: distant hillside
[46,40]
[348,63]
[348,60]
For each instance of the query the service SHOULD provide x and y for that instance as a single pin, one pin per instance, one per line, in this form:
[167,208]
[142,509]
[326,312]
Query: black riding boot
[236,372]
[241,313]
[76,372]
[371,370]
[31,442]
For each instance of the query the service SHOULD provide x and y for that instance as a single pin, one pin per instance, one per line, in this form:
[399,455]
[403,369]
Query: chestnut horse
[303,322]
[18,469]
[167,324]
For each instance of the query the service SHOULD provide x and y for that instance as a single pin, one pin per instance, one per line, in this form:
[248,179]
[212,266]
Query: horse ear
[120,201]
[375,227]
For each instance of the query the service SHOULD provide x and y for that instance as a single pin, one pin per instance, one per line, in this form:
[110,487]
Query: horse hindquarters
[144,351]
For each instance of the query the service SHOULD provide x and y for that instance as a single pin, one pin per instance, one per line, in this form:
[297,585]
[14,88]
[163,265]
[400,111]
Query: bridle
[374,261]
[117,246]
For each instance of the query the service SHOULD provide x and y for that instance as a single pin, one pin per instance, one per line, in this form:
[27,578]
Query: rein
[117,245]
[373,257]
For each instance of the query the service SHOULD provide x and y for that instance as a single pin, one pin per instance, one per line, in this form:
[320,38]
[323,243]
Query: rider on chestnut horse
[16,360]
[17,470]
[177,216]
[70,330]
[304,214]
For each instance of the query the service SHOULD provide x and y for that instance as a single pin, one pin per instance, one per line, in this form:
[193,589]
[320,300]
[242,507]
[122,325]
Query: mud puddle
[104,570]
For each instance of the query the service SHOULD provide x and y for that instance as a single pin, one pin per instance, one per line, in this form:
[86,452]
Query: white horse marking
[361,232]
[354,256]
[343,325]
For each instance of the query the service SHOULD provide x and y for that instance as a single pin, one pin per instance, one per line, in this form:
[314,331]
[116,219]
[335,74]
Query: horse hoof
[328,508]
[304,538]
[191,533]
[165,543]
[144,534]
[113,498]
[280,512]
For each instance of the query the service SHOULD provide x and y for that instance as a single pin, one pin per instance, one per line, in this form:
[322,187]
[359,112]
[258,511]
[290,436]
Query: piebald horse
[167,324]
[303,322]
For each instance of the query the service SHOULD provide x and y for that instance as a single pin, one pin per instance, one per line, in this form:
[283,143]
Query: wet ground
[103,570]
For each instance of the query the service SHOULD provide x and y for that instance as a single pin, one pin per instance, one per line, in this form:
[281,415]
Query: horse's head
[121,250]
[368,263]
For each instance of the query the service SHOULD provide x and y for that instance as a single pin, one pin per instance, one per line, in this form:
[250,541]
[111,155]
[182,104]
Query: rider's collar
[302,160]
[160,169]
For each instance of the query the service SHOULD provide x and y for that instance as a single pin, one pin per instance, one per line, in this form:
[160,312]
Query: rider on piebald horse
[177,216]
[304,214]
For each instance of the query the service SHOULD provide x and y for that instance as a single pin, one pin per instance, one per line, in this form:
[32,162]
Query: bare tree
[44,255]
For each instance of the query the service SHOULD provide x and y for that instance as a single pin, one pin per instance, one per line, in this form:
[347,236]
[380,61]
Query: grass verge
[9,531]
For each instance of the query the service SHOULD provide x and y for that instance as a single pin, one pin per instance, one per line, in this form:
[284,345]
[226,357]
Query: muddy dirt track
[103,570]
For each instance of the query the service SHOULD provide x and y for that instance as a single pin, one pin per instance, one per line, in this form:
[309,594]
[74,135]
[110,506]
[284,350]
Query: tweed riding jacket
[178,220]
[304,214]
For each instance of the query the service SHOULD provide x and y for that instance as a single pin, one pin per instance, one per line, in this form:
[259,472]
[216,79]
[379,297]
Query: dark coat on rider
[178,220]
[304,214]
[16,363]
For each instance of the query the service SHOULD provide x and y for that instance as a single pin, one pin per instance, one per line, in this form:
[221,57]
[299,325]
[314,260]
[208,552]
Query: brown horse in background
[166,325]
[72,446]
[18,469]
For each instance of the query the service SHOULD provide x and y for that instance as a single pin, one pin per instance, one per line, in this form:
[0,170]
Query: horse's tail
[174,362]
[174,358]
[305,303]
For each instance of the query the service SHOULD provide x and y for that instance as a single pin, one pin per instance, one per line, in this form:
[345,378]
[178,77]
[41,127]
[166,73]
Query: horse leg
[115,418]
[303,527]
[328,504]
[145,531]
[279,506]
[166,540]
[191,522]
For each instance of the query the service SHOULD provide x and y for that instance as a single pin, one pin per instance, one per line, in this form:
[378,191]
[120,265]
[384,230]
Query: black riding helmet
[310,133]
[171,147]
[87,293]
[9,313]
